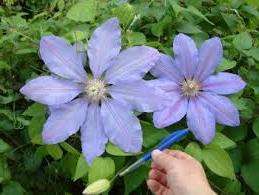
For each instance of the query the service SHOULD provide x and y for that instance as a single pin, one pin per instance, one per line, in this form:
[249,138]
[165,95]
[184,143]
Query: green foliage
[194,150]
[81,168]
[28,166]
[101,168]
[83,11]
[218,161]
[116,151]
[134,179]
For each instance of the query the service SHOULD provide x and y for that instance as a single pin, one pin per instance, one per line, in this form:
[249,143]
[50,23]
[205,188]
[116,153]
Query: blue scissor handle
[167,142]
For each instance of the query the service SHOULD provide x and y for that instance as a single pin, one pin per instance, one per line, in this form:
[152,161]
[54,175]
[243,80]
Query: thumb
[162,159]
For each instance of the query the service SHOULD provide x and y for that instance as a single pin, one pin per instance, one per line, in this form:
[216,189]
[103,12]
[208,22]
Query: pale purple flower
[100,105]
[193,91]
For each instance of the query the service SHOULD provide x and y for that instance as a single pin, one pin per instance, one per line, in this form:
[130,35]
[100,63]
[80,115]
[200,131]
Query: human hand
[176,173]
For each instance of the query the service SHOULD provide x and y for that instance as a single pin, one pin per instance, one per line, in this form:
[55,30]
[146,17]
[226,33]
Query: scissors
[164,144]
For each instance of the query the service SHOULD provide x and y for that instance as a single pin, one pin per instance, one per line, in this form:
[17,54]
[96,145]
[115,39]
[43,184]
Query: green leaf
[236,155]
[218,161]
[232,187]
[186,27]
[101,168]
[254,3]
[252,149]
[243,41]
[4,170]
[13,188]
[135,179]
[226,65]
[236,133]
[152,135]
[196,12]
[81,168]
[35,129]
[55,151]
[136,38]
[223,141]
[194,150]
[68,165]
[35,110]
[256,127]
[125,13]
[4,65]
[250,174]
[231,21]
[116,151]
[177,8]
[83,11]
[158,28]
[4,147]
[69,148]
[254,52]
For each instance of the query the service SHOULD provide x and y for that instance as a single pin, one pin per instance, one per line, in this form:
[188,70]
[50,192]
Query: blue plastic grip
[167,142]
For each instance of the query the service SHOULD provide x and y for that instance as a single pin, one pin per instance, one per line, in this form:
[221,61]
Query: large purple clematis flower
[193,90]
[101,105]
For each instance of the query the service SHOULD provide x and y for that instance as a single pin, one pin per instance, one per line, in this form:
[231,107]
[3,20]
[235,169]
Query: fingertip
[155,153]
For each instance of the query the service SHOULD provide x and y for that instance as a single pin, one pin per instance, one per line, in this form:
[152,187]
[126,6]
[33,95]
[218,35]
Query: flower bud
[97,187]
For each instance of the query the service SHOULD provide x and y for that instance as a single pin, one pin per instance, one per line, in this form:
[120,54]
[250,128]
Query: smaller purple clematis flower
[101,105]
[187,80]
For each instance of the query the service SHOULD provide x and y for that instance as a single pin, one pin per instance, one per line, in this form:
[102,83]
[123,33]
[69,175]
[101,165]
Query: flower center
[190,87]
[96,90]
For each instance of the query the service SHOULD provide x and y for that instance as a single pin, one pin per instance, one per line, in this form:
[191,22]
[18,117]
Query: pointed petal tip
[206,140]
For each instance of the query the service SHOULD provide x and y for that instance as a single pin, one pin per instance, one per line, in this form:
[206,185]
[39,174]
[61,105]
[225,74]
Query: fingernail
[155,153]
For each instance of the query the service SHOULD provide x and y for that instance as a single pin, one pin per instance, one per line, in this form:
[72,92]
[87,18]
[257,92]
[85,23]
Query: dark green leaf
[13,188]
[218,161]
[256,127]
[4,147]
[55,151]
[4,170]
[151,135]
[135,179]
[250,174]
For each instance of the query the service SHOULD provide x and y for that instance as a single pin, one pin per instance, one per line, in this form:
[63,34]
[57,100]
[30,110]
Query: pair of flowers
[101,105]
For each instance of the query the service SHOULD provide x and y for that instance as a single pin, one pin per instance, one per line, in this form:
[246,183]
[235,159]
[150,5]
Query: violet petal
[166,68]
[223,83]
[139,94]
[64,121]
[186,55]
[51,90]
[121,126]
[201,122]
[173,112]
[132,64]
[93,138]
[224,110]
[61,58]
[210,55]
[104,45]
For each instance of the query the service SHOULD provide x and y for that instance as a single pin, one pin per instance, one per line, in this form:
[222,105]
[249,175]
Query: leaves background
[29,167]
